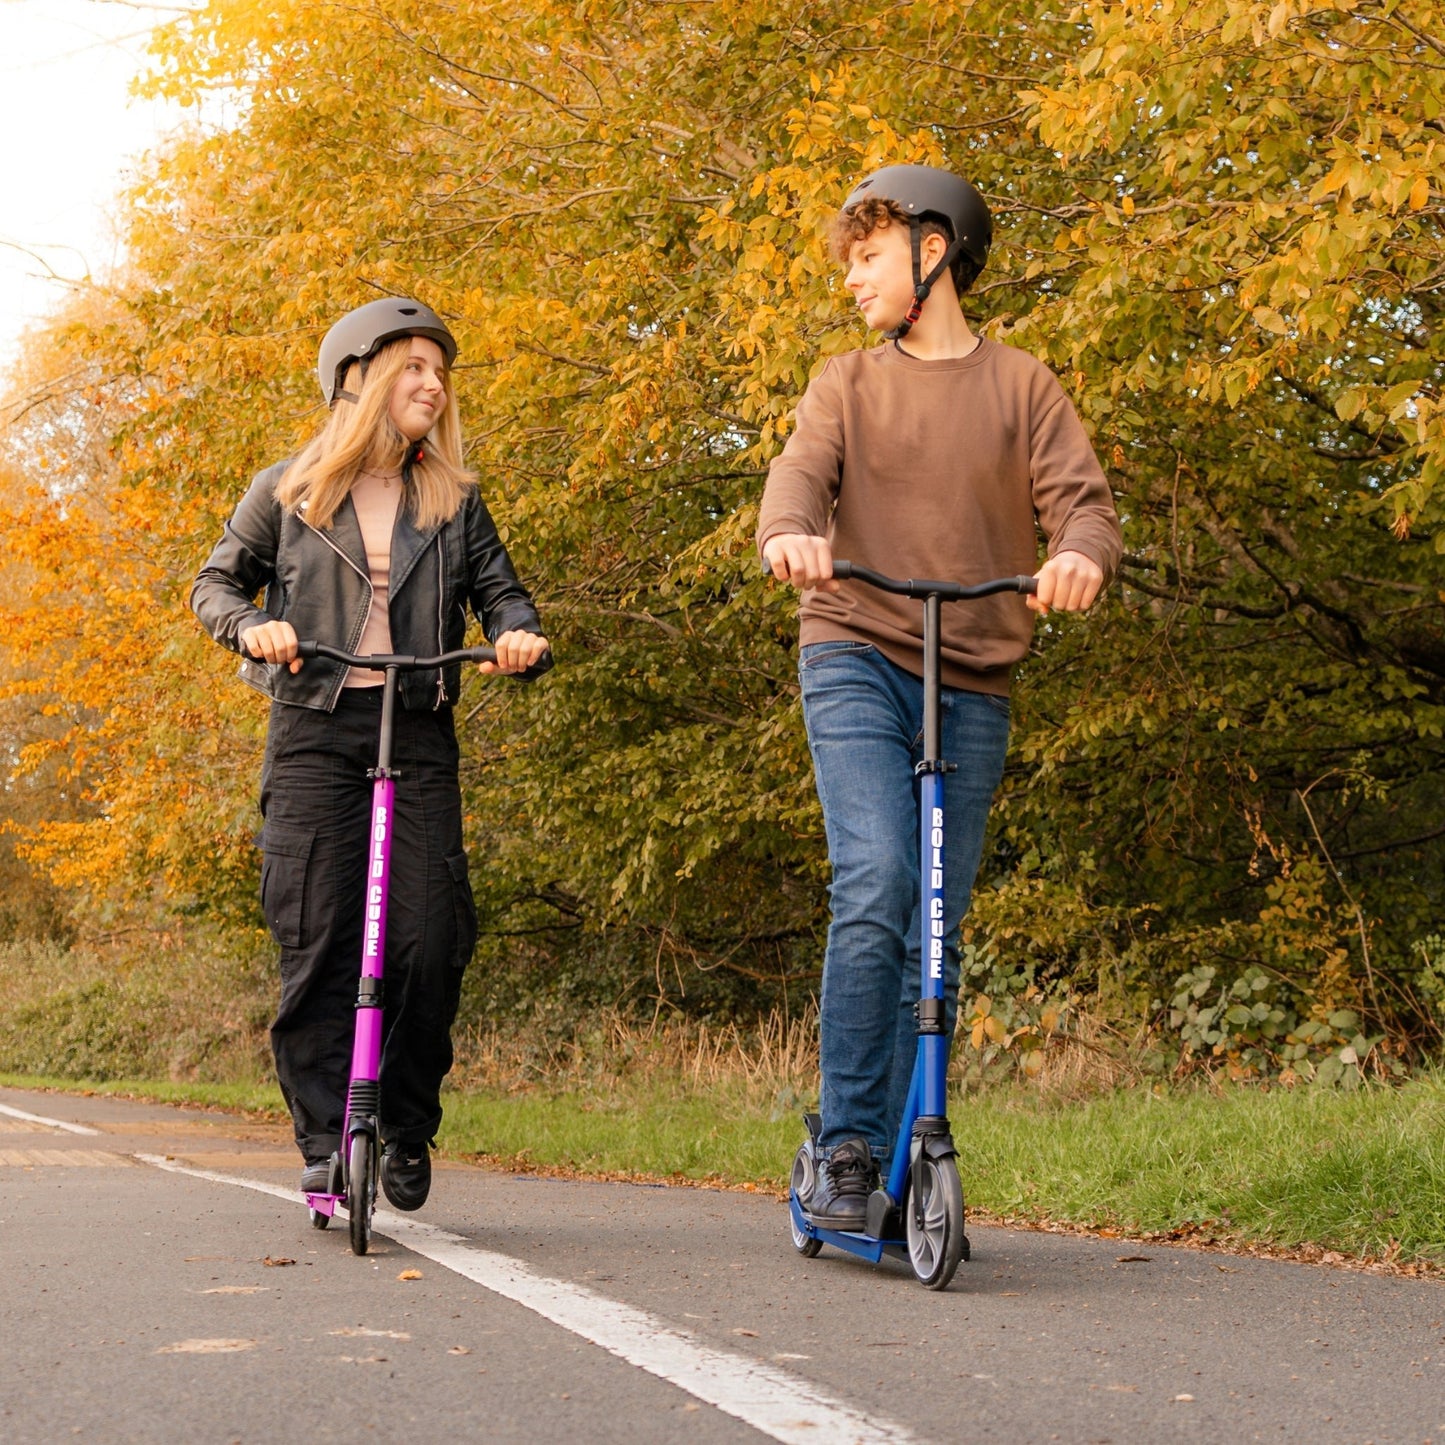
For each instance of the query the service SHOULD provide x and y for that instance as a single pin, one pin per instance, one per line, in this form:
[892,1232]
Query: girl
[375,540]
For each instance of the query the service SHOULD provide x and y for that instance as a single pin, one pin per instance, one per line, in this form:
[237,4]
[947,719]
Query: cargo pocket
[285,867]
[465,909]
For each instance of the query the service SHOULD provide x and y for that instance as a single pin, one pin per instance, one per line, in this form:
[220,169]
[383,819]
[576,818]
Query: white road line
[50,1123]
[779,1405]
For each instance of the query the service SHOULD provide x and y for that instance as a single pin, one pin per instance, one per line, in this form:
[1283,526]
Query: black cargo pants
[316,803]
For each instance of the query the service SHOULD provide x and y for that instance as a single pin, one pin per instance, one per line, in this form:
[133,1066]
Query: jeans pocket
[817,653]
[997,703]
[285,866]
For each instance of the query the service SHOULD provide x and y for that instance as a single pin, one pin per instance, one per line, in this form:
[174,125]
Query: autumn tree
[1220,224]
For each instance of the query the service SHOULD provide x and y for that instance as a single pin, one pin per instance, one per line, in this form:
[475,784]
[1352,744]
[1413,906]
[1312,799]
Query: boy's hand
[1068,582]
[802,560]
[272,642]
[516,652]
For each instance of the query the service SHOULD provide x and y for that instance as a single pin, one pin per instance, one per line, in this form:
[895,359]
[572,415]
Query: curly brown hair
[877,213]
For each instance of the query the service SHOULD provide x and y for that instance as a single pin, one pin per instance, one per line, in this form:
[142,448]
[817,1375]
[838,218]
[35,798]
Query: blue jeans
[864,717]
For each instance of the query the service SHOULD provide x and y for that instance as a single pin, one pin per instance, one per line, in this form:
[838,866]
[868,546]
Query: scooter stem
[932,724]
[366,1046]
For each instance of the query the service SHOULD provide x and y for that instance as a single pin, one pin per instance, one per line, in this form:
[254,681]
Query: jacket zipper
[371,597]
[441,621]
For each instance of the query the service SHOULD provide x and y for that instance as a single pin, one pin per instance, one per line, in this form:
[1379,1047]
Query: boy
[929,456]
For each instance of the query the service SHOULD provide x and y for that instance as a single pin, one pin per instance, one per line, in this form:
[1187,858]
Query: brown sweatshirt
[940,470]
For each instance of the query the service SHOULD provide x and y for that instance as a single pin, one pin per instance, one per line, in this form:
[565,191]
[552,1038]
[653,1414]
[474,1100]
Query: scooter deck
[866,1246]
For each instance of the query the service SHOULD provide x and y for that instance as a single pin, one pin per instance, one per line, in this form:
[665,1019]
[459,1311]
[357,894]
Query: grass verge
[1358,1172]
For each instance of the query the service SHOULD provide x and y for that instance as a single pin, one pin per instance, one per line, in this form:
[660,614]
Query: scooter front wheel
[361,1190]
[805,1176]
[934,1221]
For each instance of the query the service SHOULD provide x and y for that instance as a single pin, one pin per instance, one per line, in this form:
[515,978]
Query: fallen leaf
[1184,1397]
[280,1262]
[1132,1258]
[410,1274]
[459,1350]
[234,1289]
[751,1334]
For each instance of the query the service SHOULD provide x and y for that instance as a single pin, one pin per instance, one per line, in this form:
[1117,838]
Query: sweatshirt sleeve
[241,565]
[803,479]
[1072,498]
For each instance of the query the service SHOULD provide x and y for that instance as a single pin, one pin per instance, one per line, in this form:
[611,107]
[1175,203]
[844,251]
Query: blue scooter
[918,1214]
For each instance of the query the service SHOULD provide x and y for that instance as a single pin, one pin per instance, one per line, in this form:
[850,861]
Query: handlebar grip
[378,662]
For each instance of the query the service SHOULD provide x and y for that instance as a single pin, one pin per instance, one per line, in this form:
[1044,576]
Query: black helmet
[360,334]
[927,192]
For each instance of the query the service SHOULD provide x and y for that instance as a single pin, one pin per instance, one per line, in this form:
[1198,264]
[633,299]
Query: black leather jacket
[319,583]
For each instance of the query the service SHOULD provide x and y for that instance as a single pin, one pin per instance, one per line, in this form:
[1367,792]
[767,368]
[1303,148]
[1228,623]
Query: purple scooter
[354,1166]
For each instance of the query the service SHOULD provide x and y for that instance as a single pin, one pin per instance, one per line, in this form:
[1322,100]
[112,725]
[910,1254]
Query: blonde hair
[361,436]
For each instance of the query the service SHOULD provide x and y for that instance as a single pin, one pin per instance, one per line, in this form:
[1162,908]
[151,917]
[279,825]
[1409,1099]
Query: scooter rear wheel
[934,1222]
[805,1174]
[335,1184]
[361,1190]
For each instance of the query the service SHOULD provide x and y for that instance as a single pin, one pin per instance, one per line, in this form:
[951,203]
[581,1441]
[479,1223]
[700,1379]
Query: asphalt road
[153,1287]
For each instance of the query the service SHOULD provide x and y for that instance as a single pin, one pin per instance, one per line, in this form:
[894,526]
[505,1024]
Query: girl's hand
[272,642]
[516,652]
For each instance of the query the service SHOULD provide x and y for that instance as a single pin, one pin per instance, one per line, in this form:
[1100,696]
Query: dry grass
[777,1054]
[1086,1059]
[771,1059]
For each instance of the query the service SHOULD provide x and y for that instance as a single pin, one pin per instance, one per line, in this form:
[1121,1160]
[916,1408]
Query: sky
[70,133]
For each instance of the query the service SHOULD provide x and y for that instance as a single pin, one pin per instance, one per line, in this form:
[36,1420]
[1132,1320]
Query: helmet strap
[341,393]
[922,285]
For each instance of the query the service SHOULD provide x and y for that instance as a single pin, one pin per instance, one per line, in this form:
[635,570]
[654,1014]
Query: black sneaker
[316,1178]
[406,1174]
[840,1196]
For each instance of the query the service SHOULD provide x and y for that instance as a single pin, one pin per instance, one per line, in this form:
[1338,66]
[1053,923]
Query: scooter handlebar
[917,587]
[379,662]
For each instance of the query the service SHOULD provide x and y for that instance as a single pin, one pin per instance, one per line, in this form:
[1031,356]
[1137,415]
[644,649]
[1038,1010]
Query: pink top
[375,496]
